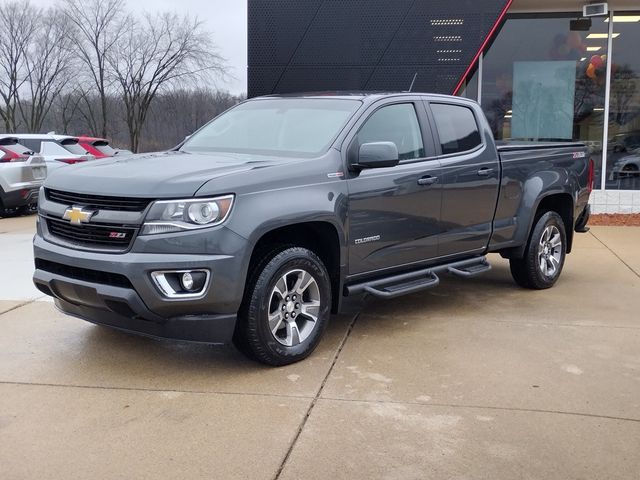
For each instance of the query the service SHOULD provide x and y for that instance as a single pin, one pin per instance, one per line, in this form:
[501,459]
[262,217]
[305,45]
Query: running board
[410,282]
[470,270]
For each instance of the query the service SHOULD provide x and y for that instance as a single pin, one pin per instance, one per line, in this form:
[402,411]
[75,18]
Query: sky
[225,19]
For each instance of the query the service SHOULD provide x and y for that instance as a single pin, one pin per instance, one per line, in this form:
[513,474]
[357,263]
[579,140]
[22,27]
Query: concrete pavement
[474,379]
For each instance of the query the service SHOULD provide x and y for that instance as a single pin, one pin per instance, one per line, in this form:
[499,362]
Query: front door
[394,212]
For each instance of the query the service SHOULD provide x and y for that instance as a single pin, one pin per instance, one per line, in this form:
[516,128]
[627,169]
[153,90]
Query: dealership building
[541,69]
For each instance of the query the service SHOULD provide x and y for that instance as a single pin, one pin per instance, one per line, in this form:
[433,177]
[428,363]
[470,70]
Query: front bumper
[116,290]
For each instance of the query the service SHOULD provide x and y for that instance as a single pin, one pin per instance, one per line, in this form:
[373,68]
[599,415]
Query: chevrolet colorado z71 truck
[271,216]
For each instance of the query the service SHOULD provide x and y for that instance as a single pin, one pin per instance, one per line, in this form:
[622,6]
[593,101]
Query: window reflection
[544,82]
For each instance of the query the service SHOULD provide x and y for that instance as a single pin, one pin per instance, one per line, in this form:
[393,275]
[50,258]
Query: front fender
[256,214]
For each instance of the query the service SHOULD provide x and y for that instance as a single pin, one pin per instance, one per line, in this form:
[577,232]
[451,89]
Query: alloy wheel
[550,251]
[294,306]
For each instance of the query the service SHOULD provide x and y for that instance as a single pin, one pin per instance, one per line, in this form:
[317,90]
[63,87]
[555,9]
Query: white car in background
[57,150]
[627,166]
[21,175]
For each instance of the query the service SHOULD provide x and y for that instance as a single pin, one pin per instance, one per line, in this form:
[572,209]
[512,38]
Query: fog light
[187,281]
[181,283]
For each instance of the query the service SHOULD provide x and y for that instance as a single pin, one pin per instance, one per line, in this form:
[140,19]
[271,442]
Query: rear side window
[19,149]
[73,146]
[32,144]
[104,148]
[397,124]
[457,128]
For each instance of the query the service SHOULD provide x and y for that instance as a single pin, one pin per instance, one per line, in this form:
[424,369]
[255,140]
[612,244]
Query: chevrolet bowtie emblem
[77,215]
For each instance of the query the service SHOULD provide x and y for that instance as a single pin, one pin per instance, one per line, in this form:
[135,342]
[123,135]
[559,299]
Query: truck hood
[154,175]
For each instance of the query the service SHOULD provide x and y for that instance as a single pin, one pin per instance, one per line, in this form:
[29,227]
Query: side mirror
[378,155]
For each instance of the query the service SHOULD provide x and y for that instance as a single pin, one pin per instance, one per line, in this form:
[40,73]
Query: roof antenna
[412,82]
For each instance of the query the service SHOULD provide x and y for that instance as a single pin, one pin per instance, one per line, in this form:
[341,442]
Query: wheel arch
[560,202]
[321,237]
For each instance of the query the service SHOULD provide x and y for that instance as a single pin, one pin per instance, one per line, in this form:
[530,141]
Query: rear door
[469,177]
[394,211]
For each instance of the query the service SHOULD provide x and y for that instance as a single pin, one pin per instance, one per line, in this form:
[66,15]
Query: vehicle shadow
[115,353]
[452,294]
[123,356]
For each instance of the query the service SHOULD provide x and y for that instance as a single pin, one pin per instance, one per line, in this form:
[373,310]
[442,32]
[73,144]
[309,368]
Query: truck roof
[356,95]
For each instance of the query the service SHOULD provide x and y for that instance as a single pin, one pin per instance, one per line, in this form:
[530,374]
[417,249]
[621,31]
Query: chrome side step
[410,282]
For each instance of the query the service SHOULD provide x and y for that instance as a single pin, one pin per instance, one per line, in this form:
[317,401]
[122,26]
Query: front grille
[98,202]
[93,276]
[92,236]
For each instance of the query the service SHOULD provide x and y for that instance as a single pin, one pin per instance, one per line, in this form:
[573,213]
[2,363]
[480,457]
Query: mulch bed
[615,220]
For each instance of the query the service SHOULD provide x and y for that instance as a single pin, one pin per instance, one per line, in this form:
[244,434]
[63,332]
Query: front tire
[544,257]
[286,307]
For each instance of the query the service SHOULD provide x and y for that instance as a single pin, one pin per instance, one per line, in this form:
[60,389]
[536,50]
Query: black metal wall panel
[309,45]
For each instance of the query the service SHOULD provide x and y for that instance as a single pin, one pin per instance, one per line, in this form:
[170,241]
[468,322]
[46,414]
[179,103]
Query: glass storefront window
[470,88]
[542,81]
[623,145]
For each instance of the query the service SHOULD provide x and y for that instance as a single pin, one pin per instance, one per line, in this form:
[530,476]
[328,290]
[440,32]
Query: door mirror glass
[378,155]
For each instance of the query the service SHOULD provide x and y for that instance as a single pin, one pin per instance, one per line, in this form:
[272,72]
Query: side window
[397,124]
[457,128]
[31,144]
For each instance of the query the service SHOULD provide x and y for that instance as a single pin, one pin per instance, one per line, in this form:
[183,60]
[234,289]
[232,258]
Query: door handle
[485,172]
[427,180]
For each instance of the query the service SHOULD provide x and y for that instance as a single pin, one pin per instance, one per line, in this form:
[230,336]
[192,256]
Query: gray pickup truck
[285,209]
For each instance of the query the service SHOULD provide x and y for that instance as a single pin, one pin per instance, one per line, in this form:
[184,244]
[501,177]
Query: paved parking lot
[475,379]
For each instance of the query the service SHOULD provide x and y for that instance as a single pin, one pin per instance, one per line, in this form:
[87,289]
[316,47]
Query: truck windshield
[288,127]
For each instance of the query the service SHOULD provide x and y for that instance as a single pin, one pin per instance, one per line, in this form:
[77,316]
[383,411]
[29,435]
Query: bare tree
[97,26]
[160,51]
[67,107]
[49,61]
[17,24]
[180,112]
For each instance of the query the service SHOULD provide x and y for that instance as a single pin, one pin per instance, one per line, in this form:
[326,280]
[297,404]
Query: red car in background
[98,147]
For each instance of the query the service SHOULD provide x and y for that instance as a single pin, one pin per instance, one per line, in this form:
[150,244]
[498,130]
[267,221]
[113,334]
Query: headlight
[168,216]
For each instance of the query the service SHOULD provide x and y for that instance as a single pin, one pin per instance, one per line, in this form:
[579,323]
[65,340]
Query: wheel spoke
[275,321]
[555,263]
[293,334]
[545,235]
[543,265]
[311,309]
[555,240]
[304,280]
[281,286]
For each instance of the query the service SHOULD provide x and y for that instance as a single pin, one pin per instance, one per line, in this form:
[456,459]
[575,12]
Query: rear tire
[544,257]
[630,170]
[286,307]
